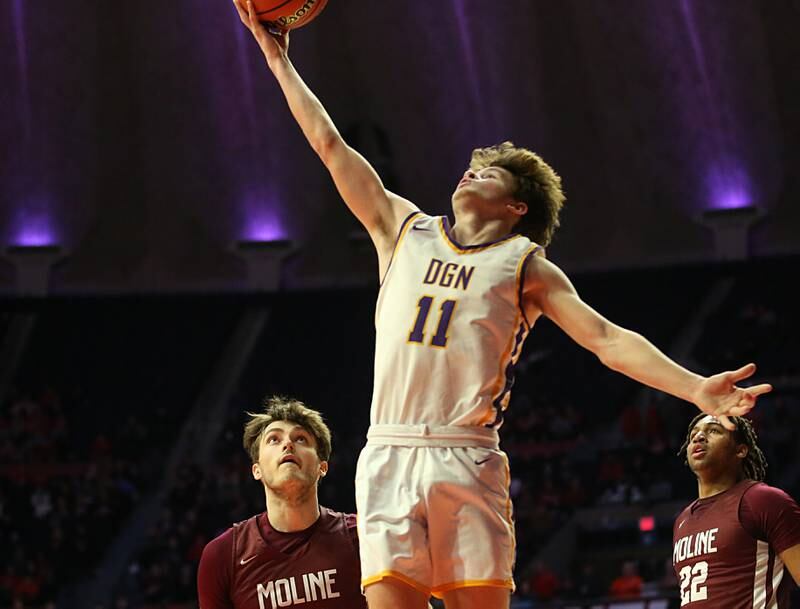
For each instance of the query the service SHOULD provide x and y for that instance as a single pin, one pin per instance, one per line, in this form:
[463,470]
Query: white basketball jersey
[449,327]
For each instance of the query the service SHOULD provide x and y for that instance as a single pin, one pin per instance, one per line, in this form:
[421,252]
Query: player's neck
[708,487]
[472,229]
[287,516]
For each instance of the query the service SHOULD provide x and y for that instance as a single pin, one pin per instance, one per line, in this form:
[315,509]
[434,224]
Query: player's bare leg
[391,594]
[480,597]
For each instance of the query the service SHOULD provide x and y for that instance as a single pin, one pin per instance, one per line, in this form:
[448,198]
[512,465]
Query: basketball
[288,14]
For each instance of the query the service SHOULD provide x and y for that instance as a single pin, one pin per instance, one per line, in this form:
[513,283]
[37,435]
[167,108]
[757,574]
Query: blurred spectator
[542,583]
[587,584]
[628,584]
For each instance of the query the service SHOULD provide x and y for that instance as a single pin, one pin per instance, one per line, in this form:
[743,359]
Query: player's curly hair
[279,408]
[754,465]
[537,185]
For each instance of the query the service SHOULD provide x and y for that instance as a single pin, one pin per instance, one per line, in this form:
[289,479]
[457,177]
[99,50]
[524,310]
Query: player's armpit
[791,558]
[380,212]
[549,290]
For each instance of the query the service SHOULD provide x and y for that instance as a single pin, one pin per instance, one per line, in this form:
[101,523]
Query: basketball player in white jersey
[456,303]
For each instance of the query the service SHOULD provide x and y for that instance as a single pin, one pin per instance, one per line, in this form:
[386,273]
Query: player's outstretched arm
[380,211]
[550,290]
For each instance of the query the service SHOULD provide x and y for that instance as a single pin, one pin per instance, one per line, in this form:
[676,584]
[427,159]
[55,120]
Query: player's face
[288,462]
[712,447]
[490,186]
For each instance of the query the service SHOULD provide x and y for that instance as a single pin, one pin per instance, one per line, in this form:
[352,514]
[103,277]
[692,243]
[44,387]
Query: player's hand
[719,395]
[274,43]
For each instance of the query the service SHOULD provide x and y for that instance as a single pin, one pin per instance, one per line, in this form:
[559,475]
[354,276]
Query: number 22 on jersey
[692,576]
[439,339]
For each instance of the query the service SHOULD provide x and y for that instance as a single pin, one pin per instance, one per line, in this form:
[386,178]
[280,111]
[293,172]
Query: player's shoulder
[332,516]
[223,543]
[341,524]
[538,268]
[421,219]
[220,546]
[762,495]
[417,223]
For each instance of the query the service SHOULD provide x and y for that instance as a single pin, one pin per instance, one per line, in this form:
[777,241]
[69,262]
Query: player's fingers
[251,15]
[241,11]
[742,373]
[740,410]
[726,422]
[254,23]
[757,390]
[283,39]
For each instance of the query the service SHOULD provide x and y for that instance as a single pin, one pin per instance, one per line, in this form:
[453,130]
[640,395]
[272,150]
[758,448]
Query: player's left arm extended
[791,558]
[551,291]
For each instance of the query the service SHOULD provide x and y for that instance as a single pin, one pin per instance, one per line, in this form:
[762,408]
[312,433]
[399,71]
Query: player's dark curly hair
[754,465]
[537,185]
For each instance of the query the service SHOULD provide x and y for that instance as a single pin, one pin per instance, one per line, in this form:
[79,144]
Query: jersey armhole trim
[232,564]
[403,230]
[521,270]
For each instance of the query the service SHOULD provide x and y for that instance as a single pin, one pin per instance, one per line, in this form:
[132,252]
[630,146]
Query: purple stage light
[698,50]
[33,229]
[728,187]
[721,153]
[468,50]
[263,228]
[261,218]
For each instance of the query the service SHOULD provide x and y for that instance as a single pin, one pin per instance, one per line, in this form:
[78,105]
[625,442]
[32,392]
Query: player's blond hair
[537,185]
[279,408]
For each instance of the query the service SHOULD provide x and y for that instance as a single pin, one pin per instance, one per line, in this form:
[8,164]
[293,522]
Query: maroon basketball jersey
[725,548]
[317,568]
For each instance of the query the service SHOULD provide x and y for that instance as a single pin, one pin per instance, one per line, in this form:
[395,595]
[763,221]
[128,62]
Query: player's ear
[256,469]
[742,451]
[518,208]
[323,468]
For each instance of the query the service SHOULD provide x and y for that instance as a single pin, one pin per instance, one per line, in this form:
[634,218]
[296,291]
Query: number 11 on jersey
[417,334]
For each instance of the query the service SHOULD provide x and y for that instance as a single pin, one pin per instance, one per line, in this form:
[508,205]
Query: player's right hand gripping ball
[288,14]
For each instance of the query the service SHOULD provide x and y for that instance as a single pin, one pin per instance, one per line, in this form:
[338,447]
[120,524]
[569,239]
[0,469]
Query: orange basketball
[288,14]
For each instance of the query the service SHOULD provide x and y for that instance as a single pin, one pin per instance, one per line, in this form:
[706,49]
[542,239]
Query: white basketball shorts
[434,509]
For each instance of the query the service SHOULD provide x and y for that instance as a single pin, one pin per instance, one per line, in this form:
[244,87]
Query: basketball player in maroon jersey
[296,552]
[738,545]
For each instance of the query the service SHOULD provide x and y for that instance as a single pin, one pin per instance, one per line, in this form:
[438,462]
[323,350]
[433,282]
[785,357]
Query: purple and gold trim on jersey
[501,401]
[444,228]
[401,233]
[523,267]
[511,355]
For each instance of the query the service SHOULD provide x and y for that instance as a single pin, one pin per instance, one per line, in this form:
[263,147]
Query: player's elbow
[327,143]
[607,344]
